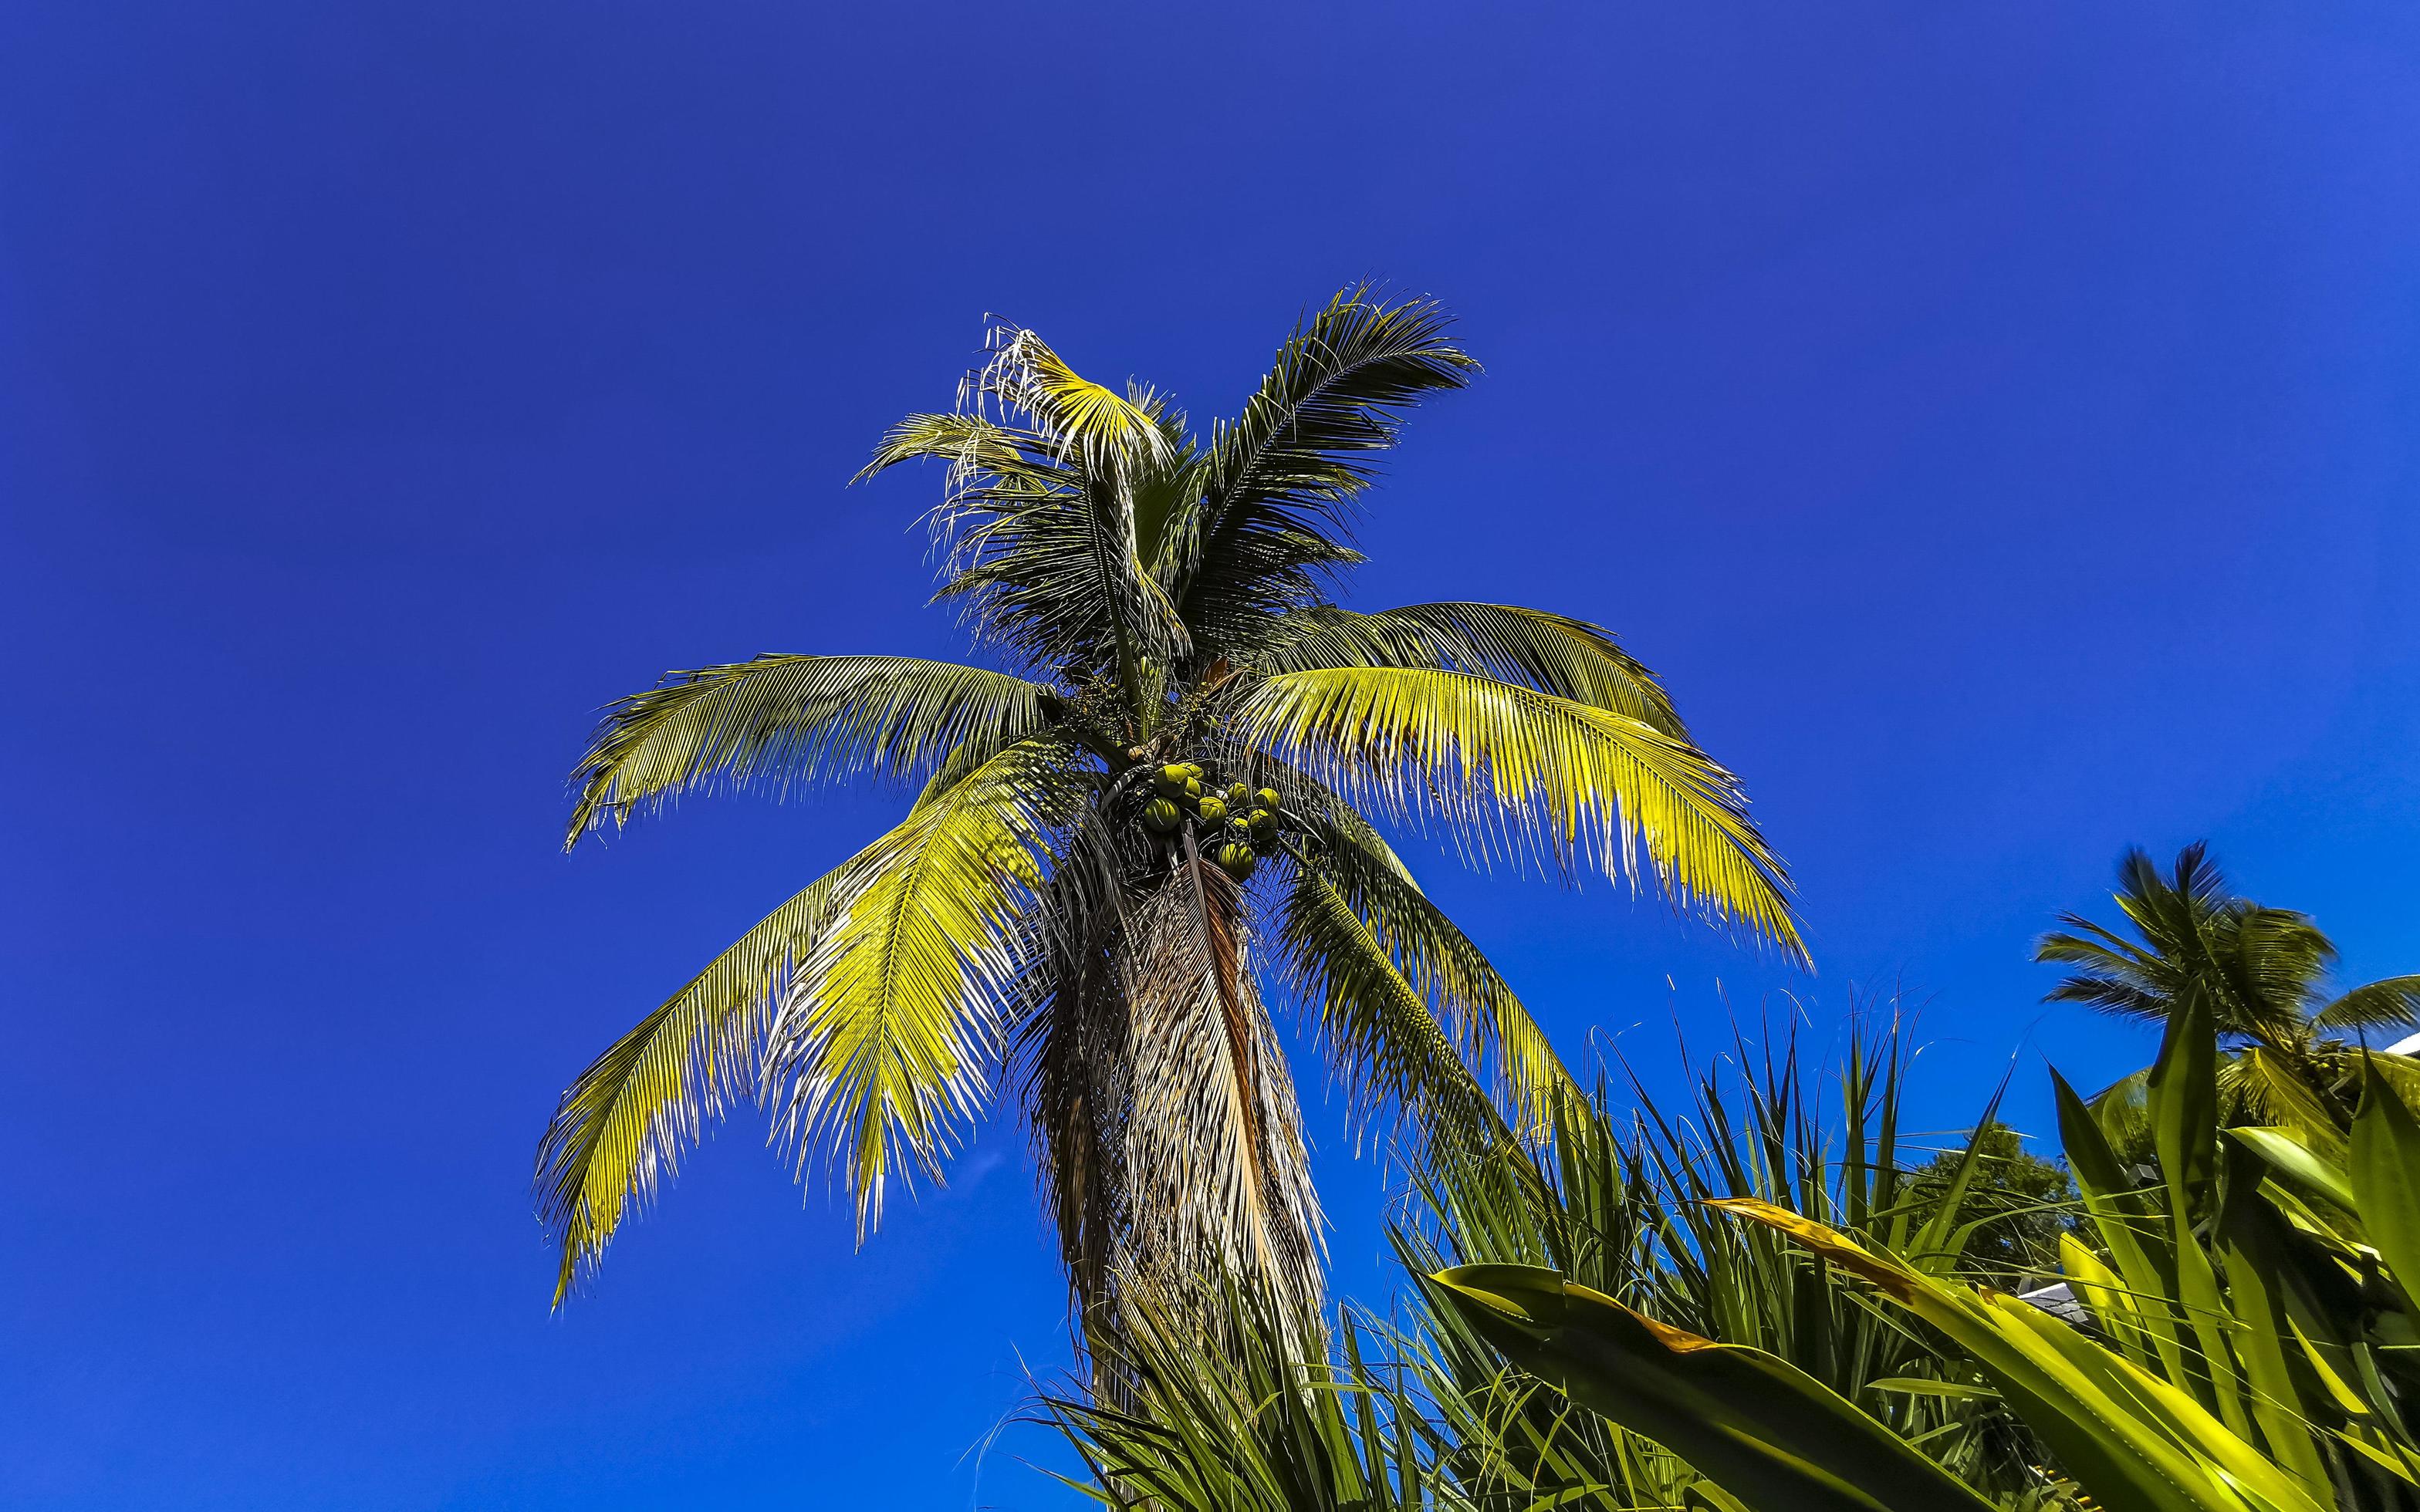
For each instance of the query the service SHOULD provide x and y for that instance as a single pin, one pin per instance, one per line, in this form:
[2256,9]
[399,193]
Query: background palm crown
[2262,973]
[1167,801]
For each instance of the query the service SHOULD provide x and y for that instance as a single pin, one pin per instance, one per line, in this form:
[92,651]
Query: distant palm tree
[1167,799]
[2263,971]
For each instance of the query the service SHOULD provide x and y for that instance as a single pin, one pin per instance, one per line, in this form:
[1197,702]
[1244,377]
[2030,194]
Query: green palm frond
[2114,975]
[2392,1002]
[887,1047]
[780,721]
[1552,652]
[1279,480]
[1528,773]
[1485,1018]
[620,1129]
[976,448]
[1054,580]
[1076,1048]
[2271,962]
[1384,1029]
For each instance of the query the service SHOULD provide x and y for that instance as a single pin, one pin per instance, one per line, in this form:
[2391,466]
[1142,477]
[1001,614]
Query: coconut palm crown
[2262,971]
[1157,809]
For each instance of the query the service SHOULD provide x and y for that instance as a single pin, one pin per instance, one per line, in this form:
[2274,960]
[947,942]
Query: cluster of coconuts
[1237,826]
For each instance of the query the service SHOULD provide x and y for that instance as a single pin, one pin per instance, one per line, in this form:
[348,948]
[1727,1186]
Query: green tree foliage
[2016,1205]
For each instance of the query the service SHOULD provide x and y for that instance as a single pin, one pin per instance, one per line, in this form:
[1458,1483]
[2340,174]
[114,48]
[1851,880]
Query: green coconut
[1237,859]
[1170,780]
[1262,822]
[1213,811]
[1193,787]
[1162,815]
[1266,798]
[1239,796]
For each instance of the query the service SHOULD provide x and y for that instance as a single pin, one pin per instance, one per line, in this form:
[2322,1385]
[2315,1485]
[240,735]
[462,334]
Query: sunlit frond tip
[778,722]
[1080,417]
[621,1128]
[1513,771]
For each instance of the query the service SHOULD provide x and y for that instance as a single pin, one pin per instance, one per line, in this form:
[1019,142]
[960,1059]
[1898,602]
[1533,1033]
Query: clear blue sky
[1998,423]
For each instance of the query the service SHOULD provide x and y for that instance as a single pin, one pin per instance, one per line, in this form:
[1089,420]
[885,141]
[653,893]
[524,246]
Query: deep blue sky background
[1996,422]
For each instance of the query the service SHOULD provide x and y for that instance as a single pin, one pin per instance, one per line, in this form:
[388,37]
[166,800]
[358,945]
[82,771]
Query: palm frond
[1277,482]
[1048,472]
[885,1050]
[1527,774]
[780,721]
[2115,977]
[976,448]
[1485,1019]
[1079,417]
[1552,652]
[1075,1045]
[2269,964]
[1383,1030]
[2392,1002]
[619,1130]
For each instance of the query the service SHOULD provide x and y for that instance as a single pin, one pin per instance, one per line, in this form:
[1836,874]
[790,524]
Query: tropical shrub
[2249,1350]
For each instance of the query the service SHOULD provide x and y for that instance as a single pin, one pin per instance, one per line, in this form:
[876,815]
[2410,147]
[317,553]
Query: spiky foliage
[1069,913]
[2262,972]
[1621,1202]
[1258,1427]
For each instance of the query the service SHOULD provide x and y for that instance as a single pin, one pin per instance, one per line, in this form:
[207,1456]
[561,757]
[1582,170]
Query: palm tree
[2262,970]
[1157,809]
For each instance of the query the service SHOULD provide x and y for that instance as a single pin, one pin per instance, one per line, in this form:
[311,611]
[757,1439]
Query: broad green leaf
[2257,1263]
[1919,1386]
[2386,1177]
[2286,1154]
[2112,1304]
[2182,1096]
[2399,1466]
[2135,1443]
[1764,1430]
[2127,1229]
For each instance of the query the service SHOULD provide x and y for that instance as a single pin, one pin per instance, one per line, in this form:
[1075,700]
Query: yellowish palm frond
[1082,417]
[1552,652]
[1519,772]
[778,721]
[887,1047]
[621,1128]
